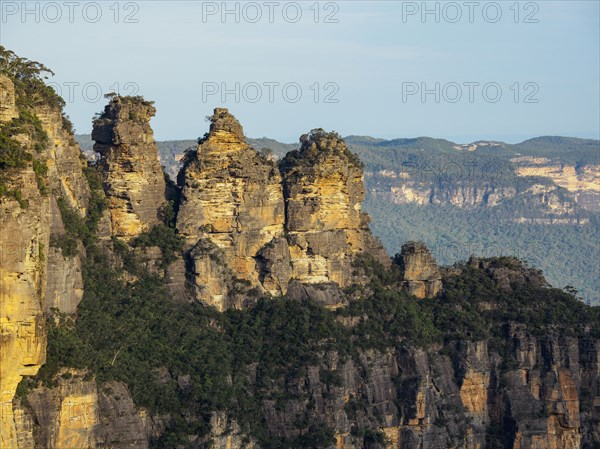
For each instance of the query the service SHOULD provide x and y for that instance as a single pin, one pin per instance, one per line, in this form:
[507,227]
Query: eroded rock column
[323,190]
[133,178]
[232,204]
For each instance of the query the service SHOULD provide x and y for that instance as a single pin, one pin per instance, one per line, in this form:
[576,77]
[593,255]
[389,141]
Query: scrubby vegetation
[31,92]
[163,237]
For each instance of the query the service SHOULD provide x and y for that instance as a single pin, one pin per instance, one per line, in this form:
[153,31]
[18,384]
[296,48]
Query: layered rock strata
[323,189]
[132,175]
[24,241]
[421,274]
[244,220]
[231,199]
[78,413]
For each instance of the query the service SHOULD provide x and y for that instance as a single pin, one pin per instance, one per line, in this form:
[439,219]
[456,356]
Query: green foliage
[164,237]
[167,213]
[12,154]
[31,92]
[97,202]
[41,171]
[78,228]
[66,243]
[134,333]
[28,77]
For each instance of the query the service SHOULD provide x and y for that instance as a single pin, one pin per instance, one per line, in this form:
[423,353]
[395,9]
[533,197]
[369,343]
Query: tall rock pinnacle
[231,199]
[422,276]
[323,189]
[132,176]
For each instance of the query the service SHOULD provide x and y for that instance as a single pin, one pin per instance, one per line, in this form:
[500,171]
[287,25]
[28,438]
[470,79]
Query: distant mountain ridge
[566,149]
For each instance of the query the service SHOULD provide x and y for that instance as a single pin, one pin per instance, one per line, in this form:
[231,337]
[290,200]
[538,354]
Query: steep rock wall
[24,239]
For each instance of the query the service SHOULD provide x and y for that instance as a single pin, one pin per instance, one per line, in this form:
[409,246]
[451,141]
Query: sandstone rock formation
[422,277]
[66,180]
[35,276]
[8,110]
[449,399]
[295,229]
[133,178]
[582,180]
[323,190]
[78,413]
[231,198]
[235,203]
[24,239]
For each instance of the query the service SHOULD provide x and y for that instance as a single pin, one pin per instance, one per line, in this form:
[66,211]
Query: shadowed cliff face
[133,178]
[78,413]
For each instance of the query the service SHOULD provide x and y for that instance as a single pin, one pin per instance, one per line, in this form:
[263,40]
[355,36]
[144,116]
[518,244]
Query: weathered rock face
[226,434]
[66,180]
[132,176]
[232,197]
[64,161]
[24,239]
[582,181]
[461,397]
[236,199]
[8,111]
[323,190]
[406,188]
[565,189]
[78,414]
[421,274]
[34,276]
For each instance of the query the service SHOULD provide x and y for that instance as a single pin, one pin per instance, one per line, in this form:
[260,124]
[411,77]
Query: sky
[457,70]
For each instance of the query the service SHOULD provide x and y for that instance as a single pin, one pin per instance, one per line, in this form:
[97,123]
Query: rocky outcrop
[325,226]
[132,176]
[226,434]
[421,274]
[252,227]
[34,275]
[66,180]
[304,224]
[404,188]
[582,181]
[78,414]
[8,110]
[64,160]
[545,186]
[24,240]
[232,198]
[464,395]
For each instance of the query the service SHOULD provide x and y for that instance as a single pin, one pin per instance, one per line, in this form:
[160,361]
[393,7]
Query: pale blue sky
[369,54]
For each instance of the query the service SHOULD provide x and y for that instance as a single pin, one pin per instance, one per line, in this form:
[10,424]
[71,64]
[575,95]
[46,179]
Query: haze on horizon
[361,66]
